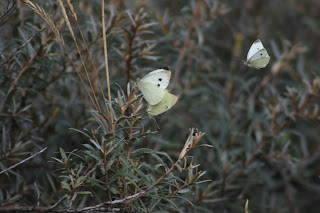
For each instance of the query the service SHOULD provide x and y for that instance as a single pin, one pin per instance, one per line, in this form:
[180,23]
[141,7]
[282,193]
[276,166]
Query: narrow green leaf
[84,193]
[66,186]
[63,155]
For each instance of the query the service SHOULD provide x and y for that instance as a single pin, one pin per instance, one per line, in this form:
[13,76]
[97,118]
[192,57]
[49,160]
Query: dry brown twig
[105,47]
[246,208]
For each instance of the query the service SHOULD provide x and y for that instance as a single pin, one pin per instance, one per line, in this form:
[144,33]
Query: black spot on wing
[158,85]
[160,79]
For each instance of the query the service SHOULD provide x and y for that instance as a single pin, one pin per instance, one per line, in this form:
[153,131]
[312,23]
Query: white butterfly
[257,56]
[153,85]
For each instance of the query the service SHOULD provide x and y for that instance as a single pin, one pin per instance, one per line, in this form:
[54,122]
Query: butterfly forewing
[255,47]
[159,77]
[151,92]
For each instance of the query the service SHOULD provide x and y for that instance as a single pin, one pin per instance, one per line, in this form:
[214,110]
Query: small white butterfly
[257,56]
[153,85]
[153,88]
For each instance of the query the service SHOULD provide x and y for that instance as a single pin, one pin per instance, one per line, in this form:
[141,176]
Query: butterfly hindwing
[259,59]
[165,104]
[260,63]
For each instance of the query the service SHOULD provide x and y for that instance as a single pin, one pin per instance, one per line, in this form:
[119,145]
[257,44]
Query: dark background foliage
[263,124]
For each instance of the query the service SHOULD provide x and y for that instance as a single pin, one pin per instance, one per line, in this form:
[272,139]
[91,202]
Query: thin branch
[23,161]
[106,169]
[90,172]
[177,190]
[10,7]
[105,49]
[45,209]
[75,195]
[19,48]
[129,55]
[56,204]
[38,197]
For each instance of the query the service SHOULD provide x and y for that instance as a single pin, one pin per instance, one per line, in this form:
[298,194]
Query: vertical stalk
[106,169]
[105,48]
[106,54]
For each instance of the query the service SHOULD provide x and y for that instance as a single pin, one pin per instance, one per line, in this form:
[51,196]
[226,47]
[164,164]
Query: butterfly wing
[255,47]
[259,60]
[165,104]
[151,92]
[160,77]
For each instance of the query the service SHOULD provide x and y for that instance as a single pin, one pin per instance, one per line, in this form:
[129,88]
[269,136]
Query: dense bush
[67,144]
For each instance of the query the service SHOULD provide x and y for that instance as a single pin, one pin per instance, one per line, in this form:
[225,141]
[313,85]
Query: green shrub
[72,140]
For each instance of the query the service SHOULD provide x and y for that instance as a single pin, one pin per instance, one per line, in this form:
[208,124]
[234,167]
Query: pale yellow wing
[151,92]
[166,103]
[259,60]
[260,63]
